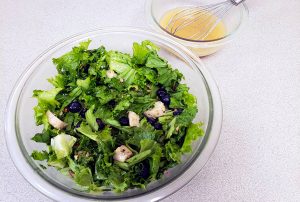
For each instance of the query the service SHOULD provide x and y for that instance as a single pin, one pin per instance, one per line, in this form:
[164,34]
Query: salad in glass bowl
[115,121]
[98,128]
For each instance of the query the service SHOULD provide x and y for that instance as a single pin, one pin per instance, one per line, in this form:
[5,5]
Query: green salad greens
[115,121]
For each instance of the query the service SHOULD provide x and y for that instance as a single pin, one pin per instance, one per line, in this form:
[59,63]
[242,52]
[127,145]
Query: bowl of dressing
[159,14]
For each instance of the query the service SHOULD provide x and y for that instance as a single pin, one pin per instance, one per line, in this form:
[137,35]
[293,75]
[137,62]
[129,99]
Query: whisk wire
[182,25]
[195,16]
[187,12]
[207,15]
[210,25]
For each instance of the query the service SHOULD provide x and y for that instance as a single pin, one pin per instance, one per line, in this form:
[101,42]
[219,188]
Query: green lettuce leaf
[147,144]
[154,61]
[40,114]
[121,63]
[83,176]
[46,100]
[168,76]
[40,156]
[123,105]
[141,104]
[104,138]
[87,131]
[155,160]
[172,152]
[187,116]
[72,96]
[91,119]
[142,51]
[70,62]
[139,157]
[102,167]
[104,94]
[116,179]
[104,113]
[194,131]
[58,163]
[171,128]
[84,83]
[155,157]
[58,81]
[42,137]
[145,131]
[129,76]
[62,145]
[47,97]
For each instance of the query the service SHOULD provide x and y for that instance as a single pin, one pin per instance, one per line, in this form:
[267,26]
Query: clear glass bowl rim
[54,192]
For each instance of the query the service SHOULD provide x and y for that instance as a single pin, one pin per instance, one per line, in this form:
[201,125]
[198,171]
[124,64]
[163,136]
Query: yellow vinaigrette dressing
[193,30]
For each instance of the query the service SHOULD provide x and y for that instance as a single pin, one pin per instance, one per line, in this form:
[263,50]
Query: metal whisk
[208,15]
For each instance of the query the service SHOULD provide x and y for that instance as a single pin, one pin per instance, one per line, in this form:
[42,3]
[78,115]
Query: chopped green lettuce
[42,137]
[40,156]
[194,131]
[84,83]
[83,176]
[70,62]
[62,145]
[47,97]
[87,131]
[58,163]
[91,119]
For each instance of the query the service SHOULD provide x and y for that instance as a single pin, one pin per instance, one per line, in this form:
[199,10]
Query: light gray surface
[258,155]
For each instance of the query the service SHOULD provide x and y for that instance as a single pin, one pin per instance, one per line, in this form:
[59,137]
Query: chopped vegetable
[62,145]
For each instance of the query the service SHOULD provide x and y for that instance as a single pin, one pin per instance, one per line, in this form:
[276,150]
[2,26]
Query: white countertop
[258,155]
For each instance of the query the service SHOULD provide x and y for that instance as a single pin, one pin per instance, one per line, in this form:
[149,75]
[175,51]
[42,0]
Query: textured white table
[258,155]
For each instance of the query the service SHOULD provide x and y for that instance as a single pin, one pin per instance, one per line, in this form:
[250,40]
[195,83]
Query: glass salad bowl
[20,125]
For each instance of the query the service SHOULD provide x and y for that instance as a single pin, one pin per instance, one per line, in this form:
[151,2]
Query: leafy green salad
[115,121]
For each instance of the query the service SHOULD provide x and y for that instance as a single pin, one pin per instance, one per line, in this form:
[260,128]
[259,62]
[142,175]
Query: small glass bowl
[156,9]
[20,125]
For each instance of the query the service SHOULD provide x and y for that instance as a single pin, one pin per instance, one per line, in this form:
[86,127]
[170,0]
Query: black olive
[124,121]
[112,103]
[114,131]
[100,123]
[78,124]
[82,112]
[151,120]
[177,111]
[181,141]
[161,93]
[157,126]
[86,68]
[98,82]
[144,169]
[75,107]
[166,100]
